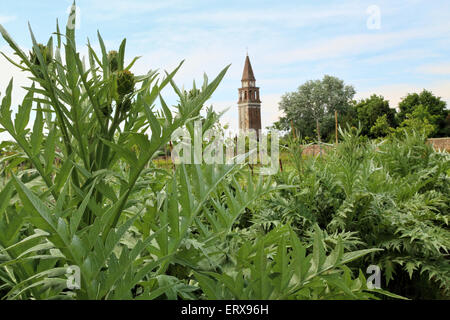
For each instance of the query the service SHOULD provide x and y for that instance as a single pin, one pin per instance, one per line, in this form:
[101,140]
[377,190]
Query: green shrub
[391,194]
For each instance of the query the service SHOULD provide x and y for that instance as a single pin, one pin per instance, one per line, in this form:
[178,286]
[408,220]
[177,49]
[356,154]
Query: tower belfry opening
[249,103]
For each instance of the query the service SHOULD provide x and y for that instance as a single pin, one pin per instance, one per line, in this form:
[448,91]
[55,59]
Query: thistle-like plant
[93,137]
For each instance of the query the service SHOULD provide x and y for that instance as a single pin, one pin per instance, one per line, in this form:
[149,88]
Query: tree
[311,108]
[434,106]
[381,127]
[419,120]
[368,111]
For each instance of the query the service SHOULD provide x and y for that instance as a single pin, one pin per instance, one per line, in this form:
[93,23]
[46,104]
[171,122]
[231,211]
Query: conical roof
[248,71]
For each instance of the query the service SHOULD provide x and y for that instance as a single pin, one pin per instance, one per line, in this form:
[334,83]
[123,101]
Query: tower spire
[248,71]
[249,103]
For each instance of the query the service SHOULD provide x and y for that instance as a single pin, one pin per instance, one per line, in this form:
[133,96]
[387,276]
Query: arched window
[245,94]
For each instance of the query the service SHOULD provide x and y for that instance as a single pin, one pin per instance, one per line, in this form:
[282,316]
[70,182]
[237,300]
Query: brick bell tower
[249,103]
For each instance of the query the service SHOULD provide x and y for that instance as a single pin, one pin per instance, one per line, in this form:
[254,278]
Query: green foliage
[392,194]
[88,197]
[420,120]
[310,110]
[79,191]
[313,106]
[74,211]
[381,127]
[434,106]
[375,113]
[278,266]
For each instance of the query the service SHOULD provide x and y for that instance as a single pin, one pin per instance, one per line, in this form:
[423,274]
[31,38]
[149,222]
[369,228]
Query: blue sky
[289,42]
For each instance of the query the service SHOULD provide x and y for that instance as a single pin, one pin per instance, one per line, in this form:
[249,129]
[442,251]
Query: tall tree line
[310,111]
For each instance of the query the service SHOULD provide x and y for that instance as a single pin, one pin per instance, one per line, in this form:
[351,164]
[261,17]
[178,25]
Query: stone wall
[314,149]
[438,144]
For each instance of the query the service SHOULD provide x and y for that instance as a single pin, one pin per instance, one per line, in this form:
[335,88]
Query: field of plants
[81,198]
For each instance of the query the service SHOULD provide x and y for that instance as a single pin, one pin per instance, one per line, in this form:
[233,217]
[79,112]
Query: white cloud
[6,19]
[9,71]
[401,55]
[355,44]
[292,17]
[396,92]
[437,69]
[101,10]
[197,62]
[269,109]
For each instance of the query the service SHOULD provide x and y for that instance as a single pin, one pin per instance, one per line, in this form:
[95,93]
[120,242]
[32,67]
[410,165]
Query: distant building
[249,103]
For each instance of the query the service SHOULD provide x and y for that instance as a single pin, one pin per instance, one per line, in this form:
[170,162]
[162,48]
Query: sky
[389,48]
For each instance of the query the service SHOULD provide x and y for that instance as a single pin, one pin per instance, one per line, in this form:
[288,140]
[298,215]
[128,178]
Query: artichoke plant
[46,54]
[125,83]
[113,58]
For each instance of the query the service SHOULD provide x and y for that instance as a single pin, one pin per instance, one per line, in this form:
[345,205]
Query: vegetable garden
[79,191]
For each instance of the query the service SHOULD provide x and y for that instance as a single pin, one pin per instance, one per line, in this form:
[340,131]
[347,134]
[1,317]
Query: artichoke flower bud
[113,58]
[106,110]
[46,54]
[125,106]
[193,93]
[125,83]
